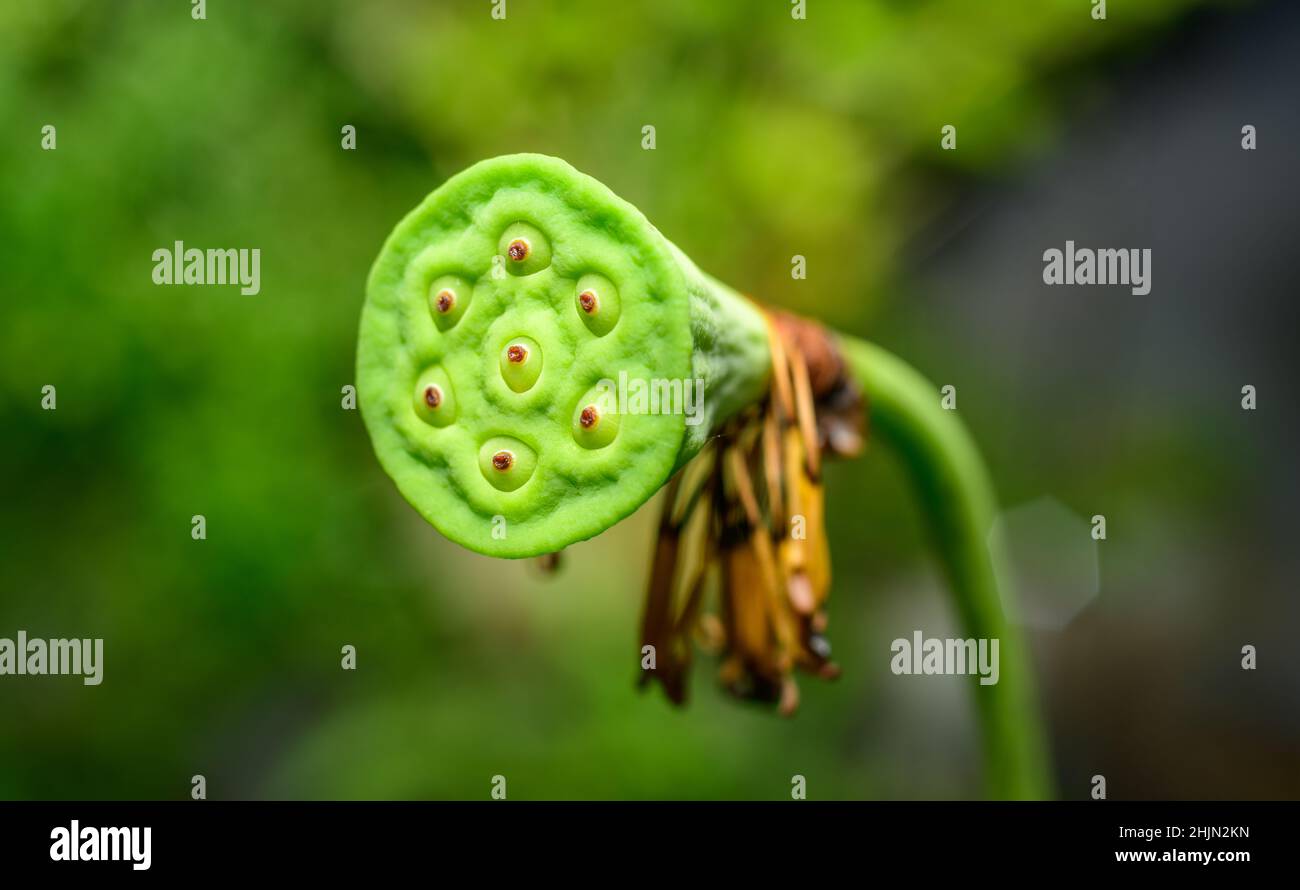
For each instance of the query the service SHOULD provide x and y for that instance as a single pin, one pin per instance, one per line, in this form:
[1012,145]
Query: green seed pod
[681,352]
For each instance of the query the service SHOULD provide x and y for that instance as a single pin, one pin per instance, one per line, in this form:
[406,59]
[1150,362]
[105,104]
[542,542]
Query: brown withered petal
[773,472]
[804,410]
[781,396]
[815,345]
[728,514]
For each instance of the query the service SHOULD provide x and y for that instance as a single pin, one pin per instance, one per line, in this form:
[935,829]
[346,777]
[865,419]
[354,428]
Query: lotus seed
[598,304]
[449,297]
[433,397]
[596,421]
[521,363]
[506,463]
[525,248]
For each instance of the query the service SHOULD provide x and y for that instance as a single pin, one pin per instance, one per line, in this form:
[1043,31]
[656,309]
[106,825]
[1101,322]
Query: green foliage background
[775,137]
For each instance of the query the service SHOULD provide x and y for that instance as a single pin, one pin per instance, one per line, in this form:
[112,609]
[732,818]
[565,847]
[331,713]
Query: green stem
[959,502]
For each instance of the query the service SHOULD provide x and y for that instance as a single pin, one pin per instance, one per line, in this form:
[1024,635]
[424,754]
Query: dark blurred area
[1130,406]
[775,137]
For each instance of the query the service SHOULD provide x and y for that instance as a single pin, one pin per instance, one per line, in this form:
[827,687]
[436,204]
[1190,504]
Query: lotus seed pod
[678,352]
[524,246]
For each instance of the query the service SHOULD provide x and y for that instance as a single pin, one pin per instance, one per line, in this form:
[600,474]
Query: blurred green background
[775,137]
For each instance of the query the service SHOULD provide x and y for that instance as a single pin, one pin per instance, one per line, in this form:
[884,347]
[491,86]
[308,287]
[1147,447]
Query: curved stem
[960,506]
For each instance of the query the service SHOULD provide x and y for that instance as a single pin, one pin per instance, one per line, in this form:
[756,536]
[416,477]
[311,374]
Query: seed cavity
[595,418]
[598,303]
[521,363]
[506,463]
[449,297]
[525,248]
[435,402]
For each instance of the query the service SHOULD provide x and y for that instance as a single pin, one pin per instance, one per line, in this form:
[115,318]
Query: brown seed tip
[516,354]
[503,460]
[589,417]
[518,250]
[446,300]
[587,300]
[432,396]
